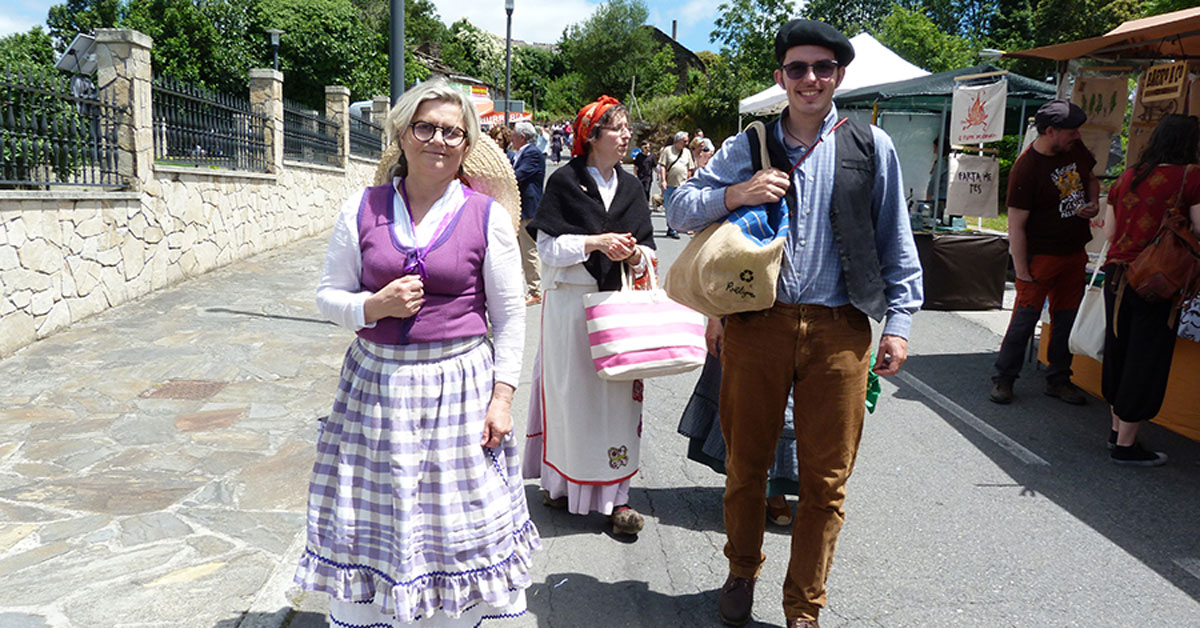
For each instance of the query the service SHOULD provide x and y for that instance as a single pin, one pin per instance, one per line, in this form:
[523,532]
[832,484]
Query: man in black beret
[850,256]
[1052,196]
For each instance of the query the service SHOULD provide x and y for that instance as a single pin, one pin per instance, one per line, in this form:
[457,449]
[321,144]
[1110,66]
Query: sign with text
[974,185]
[977,113]
[1164,82]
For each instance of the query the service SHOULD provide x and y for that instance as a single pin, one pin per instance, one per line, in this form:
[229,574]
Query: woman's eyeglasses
[451,135]
[823,69]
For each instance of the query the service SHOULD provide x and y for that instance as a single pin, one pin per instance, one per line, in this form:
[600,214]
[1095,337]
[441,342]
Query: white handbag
[642,333]
[1087,333]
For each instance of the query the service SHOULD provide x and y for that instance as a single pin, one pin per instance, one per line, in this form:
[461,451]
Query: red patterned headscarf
[587,118]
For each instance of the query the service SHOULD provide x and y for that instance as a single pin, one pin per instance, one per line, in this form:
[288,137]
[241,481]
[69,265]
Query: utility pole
[396,50]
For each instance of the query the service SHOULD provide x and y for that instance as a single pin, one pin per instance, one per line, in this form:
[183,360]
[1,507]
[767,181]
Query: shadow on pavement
[575,599]
[283,618]
[1149,513]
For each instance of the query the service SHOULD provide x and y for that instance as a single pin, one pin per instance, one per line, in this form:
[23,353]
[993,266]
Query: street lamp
[508,8]
[275,33]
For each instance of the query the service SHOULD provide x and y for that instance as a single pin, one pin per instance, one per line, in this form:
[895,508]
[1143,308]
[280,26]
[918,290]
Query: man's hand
[714,333]
[766,186]
[498,422]
[892,353]
[1088,211]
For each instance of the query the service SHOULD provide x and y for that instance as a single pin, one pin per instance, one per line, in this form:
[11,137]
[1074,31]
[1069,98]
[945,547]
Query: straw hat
[486,169]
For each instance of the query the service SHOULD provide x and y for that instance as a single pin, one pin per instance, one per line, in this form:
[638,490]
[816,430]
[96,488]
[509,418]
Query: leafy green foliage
[849,16]
[914,36]
[609,48]
[474,52]
[746,31]
[81,16]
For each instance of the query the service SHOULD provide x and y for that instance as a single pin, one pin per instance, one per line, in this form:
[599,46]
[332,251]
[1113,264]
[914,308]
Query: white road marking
[1190,565]
[972,421]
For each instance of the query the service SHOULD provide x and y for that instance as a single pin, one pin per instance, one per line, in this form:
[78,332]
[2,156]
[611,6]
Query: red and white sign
[497,117]
[977,113]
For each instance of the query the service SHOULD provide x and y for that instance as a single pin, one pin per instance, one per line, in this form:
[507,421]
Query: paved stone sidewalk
[154,458]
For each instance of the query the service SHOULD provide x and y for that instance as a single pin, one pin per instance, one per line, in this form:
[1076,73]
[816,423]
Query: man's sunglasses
[823,69]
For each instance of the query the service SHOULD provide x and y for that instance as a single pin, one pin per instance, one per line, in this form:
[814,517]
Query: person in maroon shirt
[1052,195]
[1140,338]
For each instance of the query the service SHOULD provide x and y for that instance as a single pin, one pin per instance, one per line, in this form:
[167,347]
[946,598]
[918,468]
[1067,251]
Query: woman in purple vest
[416,511]
[584,435]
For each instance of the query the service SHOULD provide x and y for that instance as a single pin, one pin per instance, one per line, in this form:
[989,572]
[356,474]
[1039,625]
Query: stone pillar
[337,109]
[380,106]
[266,95]
[123,73]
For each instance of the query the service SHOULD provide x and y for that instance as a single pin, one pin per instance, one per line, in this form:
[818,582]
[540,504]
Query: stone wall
[65,255]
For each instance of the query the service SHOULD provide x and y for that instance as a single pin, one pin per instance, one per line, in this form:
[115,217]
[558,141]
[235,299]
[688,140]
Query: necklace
[789,133]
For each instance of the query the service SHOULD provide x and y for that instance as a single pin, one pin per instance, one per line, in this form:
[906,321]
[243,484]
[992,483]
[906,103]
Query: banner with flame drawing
[977,113]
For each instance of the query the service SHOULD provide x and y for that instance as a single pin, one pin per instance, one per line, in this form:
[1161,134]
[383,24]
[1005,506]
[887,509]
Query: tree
[849,16]
[81,16]
[185,40]
[324,43]
[746,31]
[473,52]
[31,49]
[912,35]
[609,48]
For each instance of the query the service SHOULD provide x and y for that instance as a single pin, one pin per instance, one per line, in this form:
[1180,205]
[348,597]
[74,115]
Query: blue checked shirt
[812,269]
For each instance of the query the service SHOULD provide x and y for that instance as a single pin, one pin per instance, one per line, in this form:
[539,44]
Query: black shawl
[572,204]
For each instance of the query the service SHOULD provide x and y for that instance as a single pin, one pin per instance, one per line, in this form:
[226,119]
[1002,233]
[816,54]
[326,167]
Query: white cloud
[533,20]
[10,24]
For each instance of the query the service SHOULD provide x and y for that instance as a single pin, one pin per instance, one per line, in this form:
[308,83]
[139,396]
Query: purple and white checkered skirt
[406,510]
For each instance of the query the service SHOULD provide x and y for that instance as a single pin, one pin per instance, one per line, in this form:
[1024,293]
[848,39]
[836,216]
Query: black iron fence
[56,130]
[309,136]
[366,138]
[194,126]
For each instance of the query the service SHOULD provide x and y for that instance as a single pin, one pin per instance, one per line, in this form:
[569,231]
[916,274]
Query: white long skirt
[584,433]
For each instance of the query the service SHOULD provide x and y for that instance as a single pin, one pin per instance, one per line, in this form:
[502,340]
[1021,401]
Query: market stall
[1161,52]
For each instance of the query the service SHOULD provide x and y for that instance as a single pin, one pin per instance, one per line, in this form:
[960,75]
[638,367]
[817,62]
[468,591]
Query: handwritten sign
[974,185]
[1165,82]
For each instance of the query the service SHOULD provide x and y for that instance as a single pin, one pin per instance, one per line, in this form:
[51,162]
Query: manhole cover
[184,389]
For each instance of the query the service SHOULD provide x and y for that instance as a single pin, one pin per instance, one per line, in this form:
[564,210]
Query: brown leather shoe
[802,623]
[736,600]
[626,520]
[778,511]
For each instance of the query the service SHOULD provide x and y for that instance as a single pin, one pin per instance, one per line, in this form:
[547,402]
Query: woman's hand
[617,246]
[498,422]
[401,298]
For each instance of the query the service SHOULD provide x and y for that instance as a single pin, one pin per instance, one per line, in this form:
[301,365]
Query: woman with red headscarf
[593,223]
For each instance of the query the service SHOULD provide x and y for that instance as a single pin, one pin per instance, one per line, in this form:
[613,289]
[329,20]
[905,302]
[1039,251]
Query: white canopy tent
[873,64]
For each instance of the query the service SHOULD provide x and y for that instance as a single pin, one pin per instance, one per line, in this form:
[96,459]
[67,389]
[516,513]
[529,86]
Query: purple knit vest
[454,298]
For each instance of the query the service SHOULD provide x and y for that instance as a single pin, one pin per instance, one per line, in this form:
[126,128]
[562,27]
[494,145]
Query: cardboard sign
[977,113]
[1104,100]
[1165,82]
[1147,114]
[974,185]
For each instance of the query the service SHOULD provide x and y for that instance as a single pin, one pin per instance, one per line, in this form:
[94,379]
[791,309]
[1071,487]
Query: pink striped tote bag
[635,334]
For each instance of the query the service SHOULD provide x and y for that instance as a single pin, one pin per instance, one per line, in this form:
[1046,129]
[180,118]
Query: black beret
[1059,114]
[813,33]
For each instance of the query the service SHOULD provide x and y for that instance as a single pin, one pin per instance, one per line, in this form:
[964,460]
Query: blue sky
[533,20]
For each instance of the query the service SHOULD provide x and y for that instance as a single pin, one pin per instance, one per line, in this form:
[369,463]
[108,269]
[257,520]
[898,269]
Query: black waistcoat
[852,211]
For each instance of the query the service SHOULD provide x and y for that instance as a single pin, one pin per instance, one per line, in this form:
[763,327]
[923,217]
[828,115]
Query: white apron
[591,427]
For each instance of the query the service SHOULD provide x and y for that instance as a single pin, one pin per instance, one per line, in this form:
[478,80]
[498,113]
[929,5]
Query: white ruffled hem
[351,615]
[585,498]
